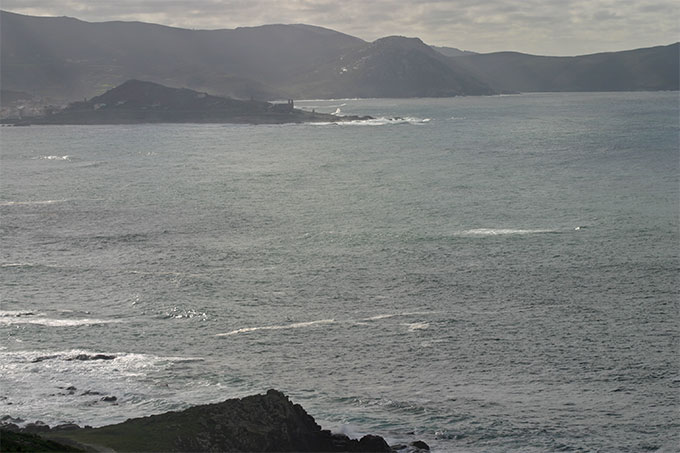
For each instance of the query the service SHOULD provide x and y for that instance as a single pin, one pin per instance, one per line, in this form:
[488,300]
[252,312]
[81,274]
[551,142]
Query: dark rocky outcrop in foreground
[137,101]
[258,423]
[11,441]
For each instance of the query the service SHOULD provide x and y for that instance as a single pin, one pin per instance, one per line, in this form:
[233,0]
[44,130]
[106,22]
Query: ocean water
[494,274]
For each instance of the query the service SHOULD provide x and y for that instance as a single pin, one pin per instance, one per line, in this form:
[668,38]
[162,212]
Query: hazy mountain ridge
[393,66]
[452,51]
[653,68]
[65,59]
[69,58]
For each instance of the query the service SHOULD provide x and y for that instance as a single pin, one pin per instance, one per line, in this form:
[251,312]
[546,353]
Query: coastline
[256,423]
[86,118]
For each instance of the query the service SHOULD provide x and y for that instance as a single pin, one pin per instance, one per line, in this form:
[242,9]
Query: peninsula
[257,423]
[137,101]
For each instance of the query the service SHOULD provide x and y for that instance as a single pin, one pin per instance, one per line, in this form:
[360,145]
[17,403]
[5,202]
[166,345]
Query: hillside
[654,68]
[66,58]
[452,51]
[391,67]
[60,59]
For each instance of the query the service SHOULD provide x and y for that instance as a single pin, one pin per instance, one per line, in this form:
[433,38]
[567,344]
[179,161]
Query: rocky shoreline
[257,423]
[142,102]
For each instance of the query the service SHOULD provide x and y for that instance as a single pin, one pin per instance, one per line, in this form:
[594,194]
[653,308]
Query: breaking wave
[11,317]
[393,315]
[53,157]
[417,326]
[502,231]
[361,321]
[296,325]
[15,313]
[380,121]
[29,203]
[82,386]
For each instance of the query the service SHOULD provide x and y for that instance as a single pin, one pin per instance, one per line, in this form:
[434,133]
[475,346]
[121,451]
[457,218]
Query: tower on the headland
[283,108]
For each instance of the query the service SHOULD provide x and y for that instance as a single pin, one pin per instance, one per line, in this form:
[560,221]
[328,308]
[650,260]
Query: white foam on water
[417,326]
[79,362]
[296,325]
[384,121]
[502,231]
[16,313]
[53,322]
[380,121]
[392,315]
[17,265]
[29,203]
[182,313]
[68,385]
[53,157]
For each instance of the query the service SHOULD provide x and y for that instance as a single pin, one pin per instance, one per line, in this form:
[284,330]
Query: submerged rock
[36,427]
[421,445]
[85,357]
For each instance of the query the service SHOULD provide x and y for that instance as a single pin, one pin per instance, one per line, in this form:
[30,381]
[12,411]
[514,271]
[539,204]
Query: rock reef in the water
[258,423]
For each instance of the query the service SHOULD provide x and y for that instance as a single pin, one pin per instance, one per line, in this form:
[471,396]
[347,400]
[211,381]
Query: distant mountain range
[64,59]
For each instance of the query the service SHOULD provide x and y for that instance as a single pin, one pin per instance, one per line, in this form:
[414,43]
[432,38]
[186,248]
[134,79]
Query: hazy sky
[546,27]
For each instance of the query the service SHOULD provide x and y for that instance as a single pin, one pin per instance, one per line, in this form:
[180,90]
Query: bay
[485,273]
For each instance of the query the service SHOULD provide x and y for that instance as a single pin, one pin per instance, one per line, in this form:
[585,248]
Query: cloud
[553,27]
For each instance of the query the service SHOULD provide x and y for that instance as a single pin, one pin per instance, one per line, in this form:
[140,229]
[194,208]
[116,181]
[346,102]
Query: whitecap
[380,121]
[384,121]
[417,326]
[296,325]
[182,313]
[392,315]
[28,203]
[54,322]
[15,313]
[54,157]
[502,231]
[86,361]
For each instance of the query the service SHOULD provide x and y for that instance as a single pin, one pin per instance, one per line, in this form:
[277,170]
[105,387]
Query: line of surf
[53,322]
[380,121]
[503,231]
[30,203]
[394,315]
[296,325]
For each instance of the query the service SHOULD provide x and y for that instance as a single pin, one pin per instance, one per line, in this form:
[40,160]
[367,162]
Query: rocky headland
[138,101]
[258,423]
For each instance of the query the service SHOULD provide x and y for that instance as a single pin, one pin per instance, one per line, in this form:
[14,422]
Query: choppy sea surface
[487,274]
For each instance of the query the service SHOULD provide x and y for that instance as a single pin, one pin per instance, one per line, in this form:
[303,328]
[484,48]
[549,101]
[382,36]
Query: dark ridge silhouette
[137,101]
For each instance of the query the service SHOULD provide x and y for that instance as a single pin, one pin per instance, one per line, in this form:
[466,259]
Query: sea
[485,274]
